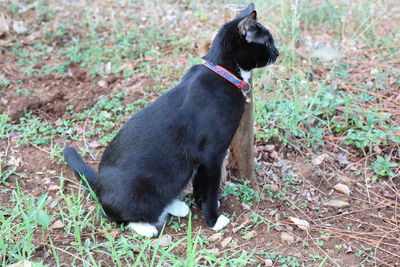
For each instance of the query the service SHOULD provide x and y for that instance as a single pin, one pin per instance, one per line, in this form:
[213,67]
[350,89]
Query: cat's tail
[78,166]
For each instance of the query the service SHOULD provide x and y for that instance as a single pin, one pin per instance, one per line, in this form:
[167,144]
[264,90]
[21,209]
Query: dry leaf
[318,160]
[302,224]
[226,241]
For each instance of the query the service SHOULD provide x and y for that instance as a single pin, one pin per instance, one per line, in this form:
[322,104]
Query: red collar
[242,85]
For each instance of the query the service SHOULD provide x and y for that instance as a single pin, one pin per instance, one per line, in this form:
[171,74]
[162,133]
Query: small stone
[268,262]
[102,84]
[279,228]
[94,144]
[342,159]
[226,241]
[336,203]
[289,238]
[56,225]
[245,206]
[4,28]
[342,188]
[54,188]
[215,237]
[349,250]
[269,148]
[4,101]
[274,155]
[19,27]
[164,241]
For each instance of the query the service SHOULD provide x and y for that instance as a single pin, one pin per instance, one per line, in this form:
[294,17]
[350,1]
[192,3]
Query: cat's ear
[247,11]
[246,23]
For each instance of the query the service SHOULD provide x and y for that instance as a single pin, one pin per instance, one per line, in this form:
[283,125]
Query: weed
[244,192]
[382,167]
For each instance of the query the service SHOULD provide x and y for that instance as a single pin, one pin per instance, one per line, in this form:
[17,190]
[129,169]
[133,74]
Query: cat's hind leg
[143,229]
[178,208]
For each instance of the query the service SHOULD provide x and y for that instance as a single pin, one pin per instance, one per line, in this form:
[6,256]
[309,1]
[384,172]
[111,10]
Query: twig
[41,149]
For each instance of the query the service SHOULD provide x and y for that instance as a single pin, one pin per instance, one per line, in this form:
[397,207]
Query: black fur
[183,135]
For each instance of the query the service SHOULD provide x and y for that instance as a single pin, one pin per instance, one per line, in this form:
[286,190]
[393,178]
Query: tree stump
[241,151]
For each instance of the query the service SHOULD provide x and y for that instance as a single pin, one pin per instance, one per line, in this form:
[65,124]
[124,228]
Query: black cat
[182,136]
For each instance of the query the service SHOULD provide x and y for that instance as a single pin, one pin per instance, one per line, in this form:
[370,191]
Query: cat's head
[245,41]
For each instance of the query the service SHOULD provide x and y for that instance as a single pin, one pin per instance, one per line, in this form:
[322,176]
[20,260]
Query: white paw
[222,221]
[144,229]
[178,208]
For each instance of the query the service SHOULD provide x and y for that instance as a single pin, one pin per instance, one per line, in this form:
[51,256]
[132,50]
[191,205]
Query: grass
[304,103]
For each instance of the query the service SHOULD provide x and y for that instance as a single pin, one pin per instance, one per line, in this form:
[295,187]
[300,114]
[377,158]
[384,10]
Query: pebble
[342,188]
[336,203]
[216,237]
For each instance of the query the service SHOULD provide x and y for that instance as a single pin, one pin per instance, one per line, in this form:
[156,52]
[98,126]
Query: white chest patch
[246,75]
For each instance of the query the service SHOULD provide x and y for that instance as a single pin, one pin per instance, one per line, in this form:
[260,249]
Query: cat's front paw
[144,229]
[221,222]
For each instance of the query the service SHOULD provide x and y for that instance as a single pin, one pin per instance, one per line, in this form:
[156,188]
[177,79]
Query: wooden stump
[241,151]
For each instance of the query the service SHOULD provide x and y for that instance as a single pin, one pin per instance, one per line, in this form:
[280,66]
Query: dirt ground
[291,183]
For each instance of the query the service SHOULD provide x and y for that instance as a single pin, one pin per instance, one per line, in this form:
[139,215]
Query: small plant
[382,167]
[244,192]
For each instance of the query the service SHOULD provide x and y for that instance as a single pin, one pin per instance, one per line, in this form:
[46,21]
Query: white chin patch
[222,221]
[143,229]
[246,75]
[178,208]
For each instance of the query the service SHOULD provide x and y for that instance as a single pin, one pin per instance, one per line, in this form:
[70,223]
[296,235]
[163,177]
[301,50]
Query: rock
[342,188]
[269,148]
[164,241]
[57,225]
[94,144]
[215,237]
[54,188]
[302,224]
[289,238]
[318,160]
[19,27]
[4,28]
[336,203]
[274,155]
[268,262]
[342,159]
[102,84]
[226,241]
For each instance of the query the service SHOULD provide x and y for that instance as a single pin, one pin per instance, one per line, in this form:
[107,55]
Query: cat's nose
[276,53]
